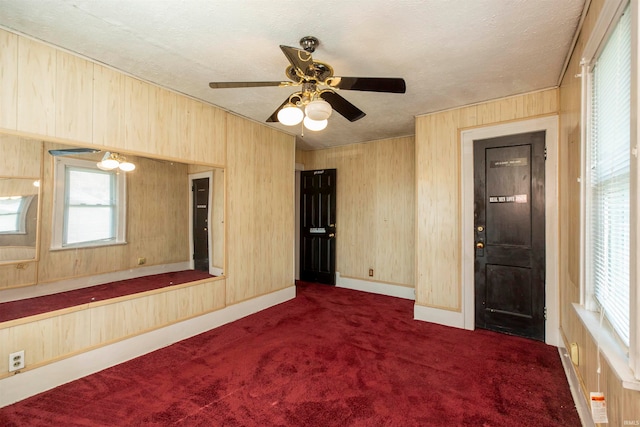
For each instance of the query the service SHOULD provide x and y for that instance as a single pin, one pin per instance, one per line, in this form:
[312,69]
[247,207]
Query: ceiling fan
[317,89]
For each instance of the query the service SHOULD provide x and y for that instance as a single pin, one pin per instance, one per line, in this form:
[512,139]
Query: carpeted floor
[330,357]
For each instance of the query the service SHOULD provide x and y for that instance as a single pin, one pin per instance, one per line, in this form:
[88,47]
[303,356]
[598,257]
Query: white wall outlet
[16,361]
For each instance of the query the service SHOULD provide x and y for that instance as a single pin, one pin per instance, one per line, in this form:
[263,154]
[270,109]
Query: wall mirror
[166,227]
[18,219]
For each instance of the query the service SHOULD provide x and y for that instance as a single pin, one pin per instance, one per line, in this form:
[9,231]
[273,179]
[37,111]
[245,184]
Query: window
[13,214]
[89,207]
[608,180]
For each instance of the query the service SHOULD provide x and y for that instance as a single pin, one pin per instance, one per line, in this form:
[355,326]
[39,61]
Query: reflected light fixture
[315,115]
[112,161]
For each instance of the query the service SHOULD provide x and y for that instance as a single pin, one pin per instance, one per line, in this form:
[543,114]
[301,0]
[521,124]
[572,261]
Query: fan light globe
[318,110]
[127,166]
[108,164]
[314,125]
[290,115]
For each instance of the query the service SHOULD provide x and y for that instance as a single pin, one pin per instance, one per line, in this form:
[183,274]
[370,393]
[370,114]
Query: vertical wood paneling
[438,255]
[8,80]
[108,107]
[36,87]
[260,183]
[375,207]
[47,339]
[96,324]
[28,152]
[208,136]
[16,275]
[163,120]
[136,115]
[74,97]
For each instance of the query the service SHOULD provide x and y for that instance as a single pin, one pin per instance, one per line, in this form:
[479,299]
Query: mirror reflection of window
[89,208]
[13,214]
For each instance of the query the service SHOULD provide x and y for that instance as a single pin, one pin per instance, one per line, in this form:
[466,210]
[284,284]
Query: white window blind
[609,187]
[90,206]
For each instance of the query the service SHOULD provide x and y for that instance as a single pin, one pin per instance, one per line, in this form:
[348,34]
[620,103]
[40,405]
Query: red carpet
[330,357]
[32,306]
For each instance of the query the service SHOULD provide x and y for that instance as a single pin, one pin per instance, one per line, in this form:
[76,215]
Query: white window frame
[625,361]
[57,238]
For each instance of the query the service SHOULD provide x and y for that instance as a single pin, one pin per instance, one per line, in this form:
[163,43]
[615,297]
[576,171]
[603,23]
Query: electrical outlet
[16,361]
[142,261]
[371,272]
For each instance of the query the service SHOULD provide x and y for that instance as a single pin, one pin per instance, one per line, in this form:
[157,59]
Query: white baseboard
[579,399]
[375,287]
[85,282]
[32,382]
[216,271]
[438,316]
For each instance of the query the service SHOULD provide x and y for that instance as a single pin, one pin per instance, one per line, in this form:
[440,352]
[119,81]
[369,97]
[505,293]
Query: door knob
[479,245]
[332,235]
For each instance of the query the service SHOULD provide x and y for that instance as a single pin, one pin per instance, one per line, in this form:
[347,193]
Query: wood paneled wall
[438,197]
[260,222]
[375,207]
[54,336]
[49,94]
[622,404]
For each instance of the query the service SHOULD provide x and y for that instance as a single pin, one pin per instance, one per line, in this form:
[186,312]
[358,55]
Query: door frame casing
[467,136]
[192,177]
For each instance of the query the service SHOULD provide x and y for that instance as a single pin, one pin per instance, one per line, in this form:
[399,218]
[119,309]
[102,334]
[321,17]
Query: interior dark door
[318,226]
[509,234]
[200,209]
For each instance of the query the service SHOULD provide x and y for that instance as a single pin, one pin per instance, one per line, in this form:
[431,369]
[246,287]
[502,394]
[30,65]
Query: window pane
[90,208]
[89,224]
[10,209]
[89,188]
[609,178]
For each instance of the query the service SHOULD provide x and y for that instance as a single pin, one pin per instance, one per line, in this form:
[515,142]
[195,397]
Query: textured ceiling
[450,53]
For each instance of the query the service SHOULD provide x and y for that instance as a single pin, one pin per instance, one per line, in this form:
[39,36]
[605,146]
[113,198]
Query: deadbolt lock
[480,229]
[480,245]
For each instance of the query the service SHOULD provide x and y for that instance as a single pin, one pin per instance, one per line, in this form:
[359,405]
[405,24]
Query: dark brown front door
[318,226]
[510,234]
[200,188]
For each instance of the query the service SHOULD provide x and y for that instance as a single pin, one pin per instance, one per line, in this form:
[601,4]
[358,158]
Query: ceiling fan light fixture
[318,110]
[108,164]
[112,161]
[314,125]
[290,115]
[126,166]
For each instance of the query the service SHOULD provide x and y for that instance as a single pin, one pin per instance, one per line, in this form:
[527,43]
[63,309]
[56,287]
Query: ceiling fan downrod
[309,43]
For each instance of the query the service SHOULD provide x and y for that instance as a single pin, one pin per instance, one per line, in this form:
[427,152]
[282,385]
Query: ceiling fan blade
[300,59]
[273,118]
[370,84]
[342,106]
[72,151]
[230,85]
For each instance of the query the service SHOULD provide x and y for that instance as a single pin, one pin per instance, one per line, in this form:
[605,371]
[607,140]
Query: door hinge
[545,313]
[545,153]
